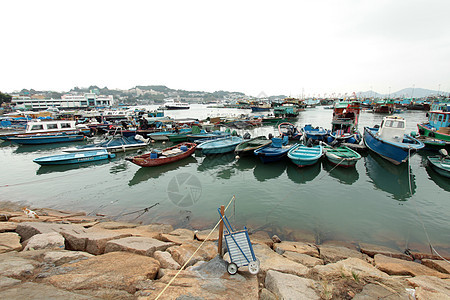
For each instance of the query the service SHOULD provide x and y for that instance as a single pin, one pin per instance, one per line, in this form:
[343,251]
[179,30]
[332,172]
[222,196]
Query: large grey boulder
[287,286]
[332,254]
[395,266]
[35,291]
[270,260]
[58,258]
[165,260]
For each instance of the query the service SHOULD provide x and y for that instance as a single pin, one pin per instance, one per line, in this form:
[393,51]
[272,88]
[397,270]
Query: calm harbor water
[371,203]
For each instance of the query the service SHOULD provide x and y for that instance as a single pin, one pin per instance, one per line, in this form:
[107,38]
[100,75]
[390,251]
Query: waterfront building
[87,100]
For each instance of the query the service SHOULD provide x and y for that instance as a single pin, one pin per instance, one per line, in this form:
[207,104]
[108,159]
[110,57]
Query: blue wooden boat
[390,141]
[317,133]
[39,139]
[220,146]
[74,158]
[275,151]
[289,130]
[302,155]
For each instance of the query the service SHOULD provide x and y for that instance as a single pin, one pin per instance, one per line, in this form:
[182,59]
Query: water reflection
[64,168]
[144,174]
[389,177]
[343,175]
[45,147]
[263,172]
[303,175]
[218,166]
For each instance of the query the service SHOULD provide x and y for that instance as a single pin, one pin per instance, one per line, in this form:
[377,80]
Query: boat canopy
[392,129]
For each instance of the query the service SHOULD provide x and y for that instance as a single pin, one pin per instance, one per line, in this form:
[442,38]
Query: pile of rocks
[61,254]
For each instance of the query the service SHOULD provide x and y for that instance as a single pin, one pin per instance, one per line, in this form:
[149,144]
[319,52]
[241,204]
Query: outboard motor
[270,136]
[443,153]
[246,136]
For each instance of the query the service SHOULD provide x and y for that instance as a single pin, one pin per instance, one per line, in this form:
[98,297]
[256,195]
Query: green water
[371,203]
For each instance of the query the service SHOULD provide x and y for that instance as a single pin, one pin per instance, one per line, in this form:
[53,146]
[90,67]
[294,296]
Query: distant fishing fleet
[137,128]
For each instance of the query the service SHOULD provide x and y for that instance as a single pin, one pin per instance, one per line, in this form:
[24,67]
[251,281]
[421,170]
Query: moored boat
[317,133]
[344,123]
[302,155]
[74,158]
[289,130]
[438,125]
[390,141]
[220,146]
[275,151]
[342,156]
[48,127]
[47,138]
[115,144]
[440,164]
[247,147]
[166,156]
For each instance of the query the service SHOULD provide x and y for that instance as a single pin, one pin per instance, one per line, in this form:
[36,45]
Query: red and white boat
[166,156]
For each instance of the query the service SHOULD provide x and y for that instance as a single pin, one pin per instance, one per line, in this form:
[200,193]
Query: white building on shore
[67,101]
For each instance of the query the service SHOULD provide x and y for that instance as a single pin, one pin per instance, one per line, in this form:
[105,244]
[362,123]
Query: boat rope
[332,169]
[143,211]
[195,252]
[432,249]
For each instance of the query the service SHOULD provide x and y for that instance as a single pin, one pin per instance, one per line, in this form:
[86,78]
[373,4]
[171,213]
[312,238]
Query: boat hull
[271,154]
[427,131]
[74,158]
[220,146]
[303,156]
[46,140]
[146,161]
[439,165]
[394,153]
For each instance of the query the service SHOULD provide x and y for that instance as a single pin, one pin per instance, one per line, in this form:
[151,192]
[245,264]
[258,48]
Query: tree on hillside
[5,98]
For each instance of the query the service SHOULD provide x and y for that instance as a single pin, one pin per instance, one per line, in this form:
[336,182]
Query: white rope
[417,211]
[206,239]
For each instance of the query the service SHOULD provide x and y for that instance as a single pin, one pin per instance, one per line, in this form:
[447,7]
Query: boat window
[52,126]
[37,127]
[400,124]
[440,118]
[388,124]
[65,125]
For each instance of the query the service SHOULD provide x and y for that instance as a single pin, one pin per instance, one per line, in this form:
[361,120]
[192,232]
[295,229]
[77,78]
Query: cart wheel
[232,268]
[253,267]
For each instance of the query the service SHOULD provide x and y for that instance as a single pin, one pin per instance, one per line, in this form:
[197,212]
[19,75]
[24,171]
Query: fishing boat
[181,135]
[342,156]
[289,130]
[115,144]
[208,135]
[48,127]
[344,123]
[433,144]
[438,125]
[247,147]
[74,158]
[220,146]
[172,104]
[275,151]
[260,107]
[160,136]
[390,141]
[47,138]
[314,133]
[440,164]
[303,156]
[163,157]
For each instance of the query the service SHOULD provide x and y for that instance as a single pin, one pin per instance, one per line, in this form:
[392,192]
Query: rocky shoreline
[70,255]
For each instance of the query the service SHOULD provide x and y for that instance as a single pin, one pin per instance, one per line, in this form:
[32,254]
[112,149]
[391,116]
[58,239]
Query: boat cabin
[392,129]
[439,119]
[50,126]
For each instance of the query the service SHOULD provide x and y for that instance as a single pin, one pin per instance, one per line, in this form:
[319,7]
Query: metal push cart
[239,248]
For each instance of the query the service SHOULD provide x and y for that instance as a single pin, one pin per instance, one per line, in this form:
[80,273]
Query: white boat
[51,126]
[175,104]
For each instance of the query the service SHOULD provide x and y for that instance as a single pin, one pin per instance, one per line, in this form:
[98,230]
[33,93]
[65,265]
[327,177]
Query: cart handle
[225,221]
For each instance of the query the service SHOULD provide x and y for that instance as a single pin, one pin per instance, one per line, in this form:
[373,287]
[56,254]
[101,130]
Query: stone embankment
[73,256]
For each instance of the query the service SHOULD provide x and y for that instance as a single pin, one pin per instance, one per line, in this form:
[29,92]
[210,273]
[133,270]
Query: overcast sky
[275,47]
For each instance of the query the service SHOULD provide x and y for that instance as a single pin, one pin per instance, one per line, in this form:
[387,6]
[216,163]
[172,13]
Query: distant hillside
[408,92]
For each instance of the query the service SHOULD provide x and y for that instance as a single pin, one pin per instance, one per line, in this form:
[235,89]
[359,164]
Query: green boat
[438,126]
[342,156]
[440,164]
[182,136]
[247,147]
